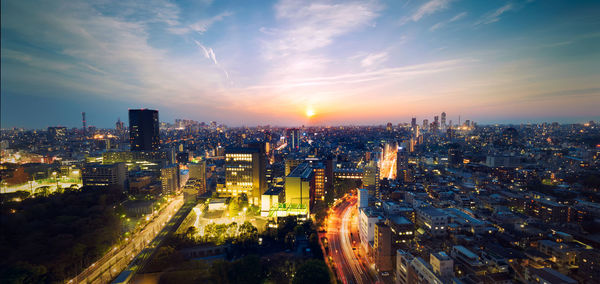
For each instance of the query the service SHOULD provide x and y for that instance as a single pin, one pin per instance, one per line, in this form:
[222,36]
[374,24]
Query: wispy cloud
[374,59]
[202,25]
[426,9]
[494,16]
[306,27]
[379,74]
[444,23]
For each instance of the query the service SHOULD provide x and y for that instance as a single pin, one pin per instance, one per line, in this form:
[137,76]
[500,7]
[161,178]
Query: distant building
[293,138]
[143,130]
[103,176]
[57,134]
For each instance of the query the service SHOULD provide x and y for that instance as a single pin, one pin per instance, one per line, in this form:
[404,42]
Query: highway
[117,259]
[342,235]
[144,256]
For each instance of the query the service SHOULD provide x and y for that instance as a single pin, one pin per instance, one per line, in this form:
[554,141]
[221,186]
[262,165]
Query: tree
[313,272]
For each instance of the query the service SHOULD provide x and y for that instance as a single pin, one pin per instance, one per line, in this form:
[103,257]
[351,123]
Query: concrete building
[367,218]
[103,176]
[382,247]
[271,198]
[363,198]
[433,220]
[442,264]
[169,179]
[299,186]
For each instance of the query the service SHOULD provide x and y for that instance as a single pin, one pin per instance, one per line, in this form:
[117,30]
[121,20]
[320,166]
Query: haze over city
[294,63]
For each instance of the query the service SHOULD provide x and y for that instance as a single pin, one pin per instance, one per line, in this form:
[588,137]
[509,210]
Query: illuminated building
[271,199]
[299,186]
[455,157]
[413,123]
[198,173]
[169,179]
[425,124]
[291,164]
[143,130]
[320,181]
[389,126]
[103,176]
[382,247]
[371,178]
[144,160]
[56,134]
[244,174]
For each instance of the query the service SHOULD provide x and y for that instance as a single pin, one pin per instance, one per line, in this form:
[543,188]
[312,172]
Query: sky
[285,63]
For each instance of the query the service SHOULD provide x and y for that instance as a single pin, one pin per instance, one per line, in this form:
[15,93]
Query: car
[385,273]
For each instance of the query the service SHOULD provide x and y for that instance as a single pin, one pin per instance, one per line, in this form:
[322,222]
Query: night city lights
[292,142]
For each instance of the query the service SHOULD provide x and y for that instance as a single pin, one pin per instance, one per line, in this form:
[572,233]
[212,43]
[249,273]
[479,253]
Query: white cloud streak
[426,9]
[494,16]
[444,23]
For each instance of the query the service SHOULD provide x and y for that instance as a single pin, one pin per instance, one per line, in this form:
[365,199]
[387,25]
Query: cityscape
[309,152]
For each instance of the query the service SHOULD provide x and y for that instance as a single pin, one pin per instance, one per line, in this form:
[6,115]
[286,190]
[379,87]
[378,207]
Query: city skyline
[277,63]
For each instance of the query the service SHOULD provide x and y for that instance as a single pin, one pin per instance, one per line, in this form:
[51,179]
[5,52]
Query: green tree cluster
[51,239]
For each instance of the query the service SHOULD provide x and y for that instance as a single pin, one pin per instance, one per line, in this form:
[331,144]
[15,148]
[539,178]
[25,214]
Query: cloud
[494,16]
[426,9]
[306,27]
[443,23]
[374,59]
[373,75]
[202,25]
[79,51]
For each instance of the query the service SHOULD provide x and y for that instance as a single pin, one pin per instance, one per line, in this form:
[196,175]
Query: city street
[342,235]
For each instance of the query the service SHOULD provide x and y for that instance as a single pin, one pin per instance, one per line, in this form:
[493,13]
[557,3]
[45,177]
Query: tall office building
[143,130]
[443,126]
[293,138]
[382,247]
[413,122]
[244,174]
[83,122]
[169,179]
[425,124]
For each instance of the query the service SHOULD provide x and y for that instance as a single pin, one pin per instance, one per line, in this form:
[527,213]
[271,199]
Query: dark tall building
[293,138]
[143,130]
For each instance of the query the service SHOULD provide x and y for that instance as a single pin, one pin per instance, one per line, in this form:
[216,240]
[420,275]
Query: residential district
[428,201]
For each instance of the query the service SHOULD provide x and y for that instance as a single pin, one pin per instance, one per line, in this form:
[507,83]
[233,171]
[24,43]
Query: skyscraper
[143,130]
[443,126]
[293,139]
[413,122]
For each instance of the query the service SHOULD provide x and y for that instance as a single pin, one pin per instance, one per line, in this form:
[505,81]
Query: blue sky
[269,62]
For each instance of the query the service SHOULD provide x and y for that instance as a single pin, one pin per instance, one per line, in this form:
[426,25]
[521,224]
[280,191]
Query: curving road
[342,235]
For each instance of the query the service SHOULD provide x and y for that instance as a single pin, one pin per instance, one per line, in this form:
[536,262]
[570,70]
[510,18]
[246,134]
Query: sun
[310,113]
